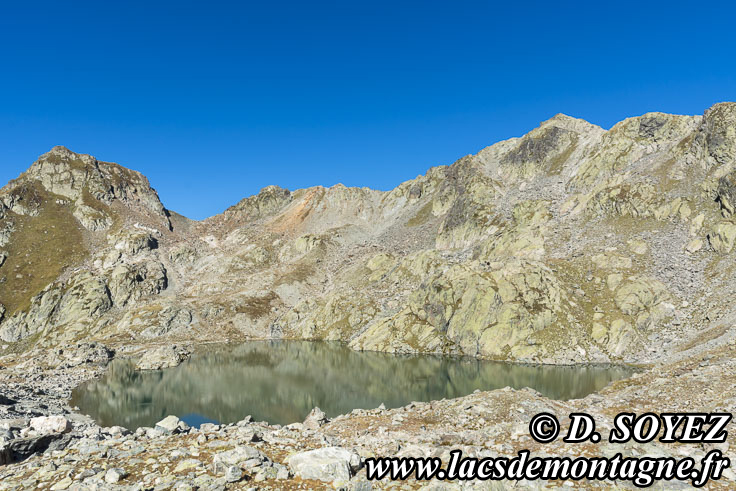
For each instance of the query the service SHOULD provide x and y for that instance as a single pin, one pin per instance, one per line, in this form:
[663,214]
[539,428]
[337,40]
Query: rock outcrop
[162,357]
[569,244]
[572,244]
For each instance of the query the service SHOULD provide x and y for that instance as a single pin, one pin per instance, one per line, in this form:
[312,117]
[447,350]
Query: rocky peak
[570,123]
[480,256]
[68,173]
[720,132]
[654,127]
[267,201]
[91,186]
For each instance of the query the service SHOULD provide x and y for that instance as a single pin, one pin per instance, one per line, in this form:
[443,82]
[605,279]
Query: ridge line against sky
[389,188]
[214,102]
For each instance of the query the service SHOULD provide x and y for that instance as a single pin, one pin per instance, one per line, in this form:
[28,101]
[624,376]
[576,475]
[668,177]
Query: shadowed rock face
[569,244]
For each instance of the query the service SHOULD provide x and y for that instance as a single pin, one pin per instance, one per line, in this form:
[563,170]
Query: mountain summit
[569,244]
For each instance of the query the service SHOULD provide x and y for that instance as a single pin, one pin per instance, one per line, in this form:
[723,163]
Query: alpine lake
[282,381]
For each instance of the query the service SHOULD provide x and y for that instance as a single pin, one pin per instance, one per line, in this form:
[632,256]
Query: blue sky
[215,100]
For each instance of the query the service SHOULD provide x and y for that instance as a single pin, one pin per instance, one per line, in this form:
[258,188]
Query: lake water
[281,381]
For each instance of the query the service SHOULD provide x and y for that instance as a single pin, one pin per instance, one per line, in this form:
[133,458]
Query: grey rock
[22,448]
[169,424]
[282,472]
[43,425]
[233,473]
[6,401]
[326,464]
[249,457]
[116,431]
[81,354]
[162,357]
[315,419]
[114,475]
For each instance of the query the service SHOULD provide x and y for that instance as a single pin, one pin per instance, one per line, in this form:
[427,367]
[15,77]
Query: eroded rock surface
[162,357]
[571,244]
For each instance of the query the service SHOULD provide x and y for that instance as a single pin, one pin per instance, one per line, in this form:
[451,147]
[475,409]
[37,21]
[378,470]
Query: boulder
[315,419]
[21,448]
[171,424]
[233,474]
[116,431]
[6,401]
[44,425]
[115,475]
[328,464]
[241,456]
[723,236]
[187,465]
[162,357]
[611,261]
[639,294]
[694,246]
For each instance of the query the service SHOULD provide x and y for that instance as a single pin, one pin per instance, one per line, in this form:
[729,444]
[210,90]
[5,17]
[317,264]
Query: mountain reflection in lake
[281,381]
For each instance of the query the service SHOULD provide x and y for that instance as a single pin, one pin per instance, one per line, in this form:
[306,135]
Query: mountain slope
[569,244]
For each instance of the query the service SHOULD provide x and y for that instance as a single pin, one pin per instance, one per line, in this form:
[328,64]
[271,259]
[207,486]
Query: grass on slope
[422,216]
[40,249]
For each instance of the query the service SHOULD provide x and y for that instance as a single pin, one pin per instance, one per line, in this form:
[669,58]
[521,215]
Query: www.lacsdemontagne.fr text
[641,471]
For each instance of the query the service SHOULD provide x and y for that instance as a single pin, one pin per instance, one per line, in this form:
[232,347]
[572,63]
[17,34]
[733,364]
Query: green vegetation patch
[40,249]
[422,216]
[256,307]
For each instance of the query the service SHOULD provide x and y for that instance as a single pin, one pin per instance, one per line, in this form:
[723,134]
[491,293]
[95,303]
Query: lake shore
[480,424]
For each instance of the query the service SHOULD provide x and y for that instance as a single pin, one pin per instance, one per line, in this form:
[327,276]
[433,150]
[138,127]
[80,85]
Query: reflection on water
[281,381]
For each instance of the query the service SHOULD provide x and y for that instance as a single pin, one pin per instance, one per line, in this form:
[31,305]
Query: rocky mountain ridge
[571,244]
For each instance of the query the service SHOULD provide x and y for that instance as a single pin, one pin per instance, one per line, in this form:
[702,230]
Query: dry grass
[40,249]
[422,216]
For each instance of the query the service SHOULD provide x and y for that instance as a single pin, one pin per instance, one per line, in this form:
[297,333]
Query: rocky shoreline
[569,245]
[321,453]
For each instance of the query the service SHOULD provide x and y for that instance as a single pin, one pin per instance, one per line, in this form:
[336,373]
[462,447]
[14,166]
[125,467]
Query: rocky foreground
[60,449]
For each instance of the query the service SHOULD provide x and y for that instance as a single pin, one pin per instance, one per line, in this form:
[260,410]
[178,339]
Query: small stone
[315,419]
[694,246]
[233,473]
[187,465]
[6,401]
[249,457]
[116,431]
[63,484]
[115,475]
[169,424]
[155,432]
[326,464]
[282,472]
